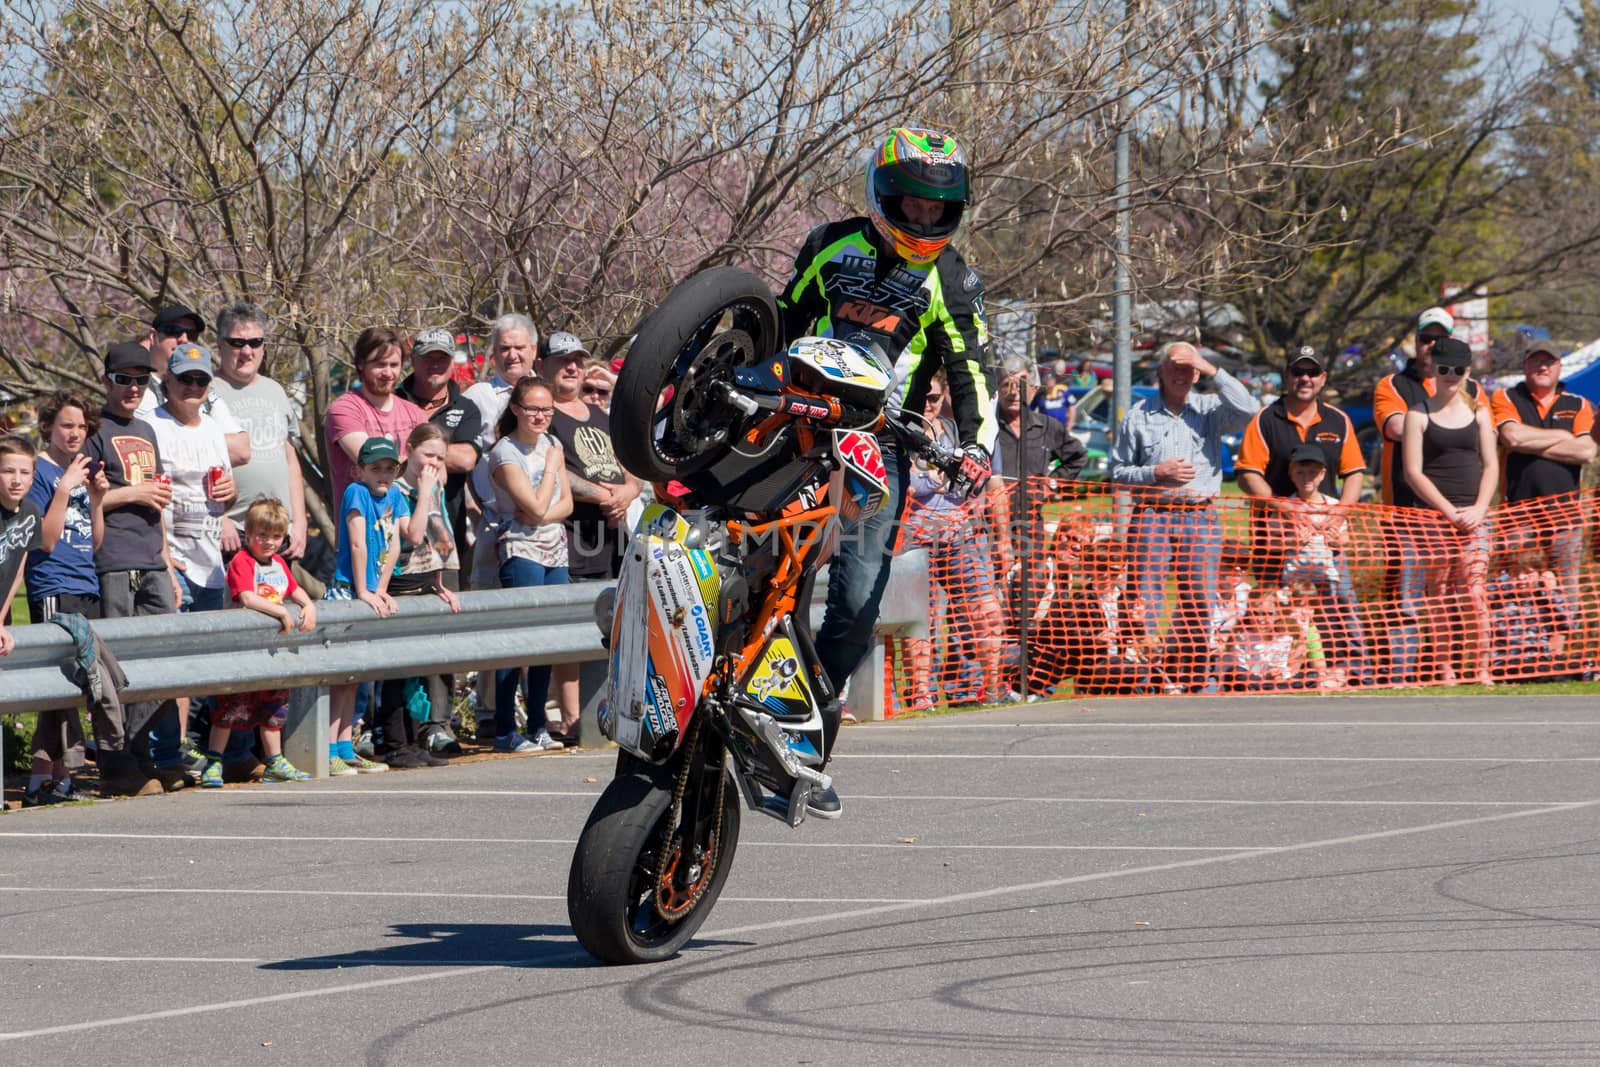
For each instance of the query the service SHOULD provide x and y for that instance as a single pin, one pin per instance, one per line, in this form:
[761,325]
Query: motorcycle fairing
[777,685]
[662,636]
[866,480]
[842,364]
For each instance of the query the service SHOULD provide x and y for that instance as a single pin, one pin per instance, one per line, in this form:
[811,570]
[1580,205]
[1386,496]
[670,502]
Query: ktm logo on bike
[860,451]
[874,316]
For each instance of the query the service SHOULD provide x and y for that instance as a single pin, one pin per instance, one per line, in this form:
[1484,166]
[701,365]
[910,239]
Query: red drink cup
[213,476]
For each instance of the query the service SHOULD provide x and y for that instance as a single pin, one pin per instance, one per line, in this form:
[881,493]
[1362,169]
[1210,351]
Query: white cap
[1436,317]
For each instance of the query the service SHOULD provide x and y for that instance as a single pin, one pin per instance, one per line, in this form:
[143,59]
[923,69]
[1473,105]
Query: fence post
[867,684]
[591,683]
[305,735]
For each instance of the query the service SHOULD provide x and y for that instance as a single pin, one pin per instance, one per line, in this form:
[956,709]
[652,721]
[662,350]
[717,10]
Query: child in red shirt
[259,579]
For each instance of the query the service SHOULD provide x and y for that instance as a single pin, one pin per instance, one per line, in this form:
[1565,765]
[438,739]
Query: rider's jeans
[858,575]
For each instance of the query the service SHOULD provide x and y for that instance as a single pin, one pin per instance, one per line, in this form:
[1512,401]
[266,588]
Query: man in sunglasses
[175,325]
[133,562]
[1546,437]
[1300,417]
[264,413]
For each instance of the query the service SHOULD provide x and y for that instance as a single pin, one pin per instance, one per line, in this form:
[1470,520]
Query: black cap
[1307,354]
[130,355]
[1306,452]
[1452,351]
[173,312]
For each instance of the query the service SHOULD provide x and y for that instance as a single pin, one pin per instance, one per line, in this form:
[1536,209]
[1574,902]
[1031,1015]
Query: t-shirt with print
[353,413]
[65,568]
[20,533]
[264,411]
[434,553]
[382,519]
[592,545]
[545,544]
[270,581]
[194,520]
[133,537]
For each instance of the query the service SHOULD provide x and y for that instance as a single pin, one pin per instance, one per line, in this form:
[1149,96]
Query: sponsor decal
[702,631]
[872,316]
[969,281]
[807,410]
[702,564]
[1330,437]
[860,451]
[777,369]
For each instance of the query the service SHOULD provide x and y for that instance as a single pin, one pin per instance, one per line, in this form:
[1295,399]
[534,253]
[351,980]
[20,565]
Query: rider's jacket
[845,283]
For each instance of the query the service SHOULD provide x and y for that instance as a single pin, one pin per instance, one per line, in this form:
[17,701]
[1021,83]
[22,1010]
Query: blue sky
[1539,14]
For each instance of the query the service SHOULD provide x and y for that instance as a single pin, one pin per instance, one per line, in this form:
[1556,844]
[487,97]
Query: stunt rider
[892,279]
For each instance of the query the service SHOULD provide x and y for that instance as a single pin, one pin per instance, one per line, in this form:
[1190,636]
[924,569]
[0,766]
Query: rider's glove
[972,477]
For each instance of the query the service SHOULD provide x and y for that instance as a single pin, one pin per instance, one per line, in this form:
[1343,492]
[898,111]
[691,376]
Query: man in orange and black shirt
[1546,435]
[1299,417]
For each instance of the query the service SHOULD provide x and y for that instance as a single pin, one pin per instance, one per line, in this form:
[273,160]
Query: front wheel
[669,417]
[639,886]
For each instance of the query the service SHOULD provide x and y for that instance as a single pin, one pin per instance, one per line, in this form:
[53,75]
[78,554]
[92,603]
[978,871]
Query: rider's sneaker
[824,803]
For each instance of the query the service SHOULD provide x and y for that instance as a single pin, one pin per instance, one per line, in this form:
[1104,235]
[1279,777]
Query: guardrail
[240,651]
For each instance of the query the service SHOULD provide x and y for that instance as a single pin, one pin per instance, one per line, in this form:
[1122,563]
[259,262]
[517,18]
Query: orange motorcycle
[715,693]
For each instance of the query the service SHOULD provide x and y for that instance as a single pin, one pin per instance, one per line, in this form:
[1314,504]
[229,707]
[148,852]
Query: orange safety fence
[1093,589]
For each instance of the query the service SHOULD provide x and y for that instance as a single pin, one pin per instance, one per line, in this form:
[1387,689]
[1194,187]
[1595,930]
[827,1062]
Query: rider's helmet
[924,164]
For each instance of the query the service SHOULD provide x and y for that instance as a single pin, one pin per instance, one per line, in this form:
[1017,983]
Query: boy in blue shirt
[370,514]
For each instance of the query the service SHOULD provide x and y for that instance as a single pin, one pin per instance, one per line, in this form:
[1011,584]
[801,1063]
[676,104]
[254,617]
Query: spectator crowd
[181,490]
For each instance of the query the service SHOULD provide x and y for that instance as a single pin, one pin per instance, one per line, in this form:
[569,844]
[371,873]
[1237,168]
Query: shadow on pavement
[548,946]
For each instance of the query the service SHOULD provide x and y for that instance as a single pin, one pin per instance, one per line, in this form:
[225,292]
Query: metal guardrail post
[306,735]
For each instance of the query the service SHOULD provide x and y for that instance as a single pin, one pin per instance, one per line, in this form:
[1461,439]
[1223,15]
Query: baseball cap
[434,339]
[1452,351]
[129,355]
[561,345]
[188,358]
[1307,453]
[175,312]
[1307,354]
[1436,317]
[376,448]
[1547,348]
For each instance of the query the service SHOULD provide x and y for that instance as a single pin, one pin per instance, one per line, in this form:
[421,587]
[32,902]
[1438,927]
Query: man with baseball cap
[431,386]
[1300,418]
[1546,437]
[133,562]
[173,325]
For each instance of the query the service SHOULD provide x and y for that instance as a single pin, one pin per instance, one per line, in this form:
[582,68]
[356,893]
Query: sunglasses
[1304,372]
[176,329]
[194,381]
[245,342]
[590,390]
[128,380]
[1450,368]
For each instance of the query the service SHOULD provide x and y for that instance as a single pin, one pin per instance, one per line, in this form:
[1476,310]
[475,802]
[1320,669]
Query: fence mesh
[1093,589]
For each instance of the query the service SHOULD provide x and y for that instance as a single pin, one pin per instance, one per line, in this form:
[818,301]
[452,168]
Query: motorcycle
[714,676]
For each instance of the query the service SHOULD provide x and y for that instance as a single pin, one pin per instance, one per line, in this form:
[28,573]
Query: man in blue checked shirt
[1171,444]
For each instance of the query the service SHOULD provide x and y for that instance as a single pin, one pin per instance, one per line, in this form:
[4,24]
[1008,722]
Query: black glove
[972,476]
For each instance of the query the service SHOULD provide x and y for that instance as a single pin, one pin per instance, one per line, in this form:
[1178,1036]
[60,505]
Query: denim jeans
[517,573]
[858,574]
[1182,543]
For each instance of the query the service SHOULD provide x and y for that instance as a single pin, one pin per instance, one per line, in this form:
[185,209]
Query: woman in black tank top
[1449,453]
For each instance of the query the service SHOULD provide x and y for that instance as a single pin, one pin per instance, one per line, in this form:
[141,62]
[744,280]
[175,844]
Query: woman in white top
[527,474]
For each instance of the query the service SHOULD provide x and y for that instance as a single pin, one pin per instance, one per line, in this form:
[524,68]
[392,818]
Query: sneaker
[364,744]
[845,715]
[63,793]
[545,742]
[279,769]
[515,742]
[38,798]
[211,776]
[825,803]
[366,766]
[338,768]
[429,759]
[191,757]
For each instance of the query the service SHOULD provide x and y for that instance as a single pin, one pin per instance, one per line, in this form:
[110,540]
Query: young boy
[370,513]
[20,524]
[1321,533]
[259,579]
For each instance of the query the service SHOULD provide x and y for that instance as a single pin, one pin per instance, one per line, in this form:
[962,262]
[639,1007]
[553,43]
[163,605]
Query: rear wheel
[641,886]
[668,417]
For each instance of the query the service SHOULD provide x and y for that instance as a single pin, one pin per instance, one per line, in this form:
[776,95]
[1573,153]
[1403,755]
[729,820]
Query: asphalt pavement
[1373,880]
